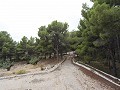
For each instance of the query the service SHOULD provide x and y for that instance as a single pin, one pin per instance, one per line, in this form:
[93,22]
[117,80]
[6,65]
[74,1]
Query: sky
[23,17]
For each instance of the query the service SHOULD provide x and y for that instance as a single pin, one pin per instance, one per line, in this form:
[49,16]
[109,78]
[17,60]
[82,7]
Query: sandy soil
[66,77]
[28,67]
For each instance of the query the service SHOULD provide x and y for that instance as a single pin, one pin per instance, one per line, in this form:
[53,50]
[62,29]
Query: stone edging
[36,73]
[97,73]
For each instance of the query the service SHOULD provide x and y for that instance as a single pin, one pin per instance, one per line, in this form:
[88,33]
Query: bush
[34,60]
[21,72]
[87,59]
[100,66]
[0,64]
[6,64]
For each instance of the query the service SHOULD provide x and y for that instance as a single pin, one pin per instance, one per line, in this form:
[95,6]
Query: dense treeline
[51,42]
[100,34]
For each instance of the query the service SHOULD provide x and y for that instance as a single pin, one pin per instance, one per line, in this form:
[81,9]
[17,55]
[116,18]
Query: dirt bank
[28,68]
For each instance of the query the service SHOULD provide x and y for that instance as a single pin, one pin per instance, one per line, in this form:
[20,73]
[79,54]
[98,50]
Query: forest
[96,42]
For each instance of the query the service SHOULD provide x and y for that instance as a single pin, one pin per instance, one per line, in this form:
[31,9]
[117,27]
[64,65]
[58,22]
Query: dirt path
[66,77]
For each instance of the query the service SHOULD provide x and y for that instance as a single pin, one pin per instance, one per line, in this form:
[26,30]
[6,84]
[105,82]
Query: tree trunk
[57,53]
[50,55]
[61,54]
[114,68]
[10,58]
[109,64]
[45,56]
[113,63]
[118,46]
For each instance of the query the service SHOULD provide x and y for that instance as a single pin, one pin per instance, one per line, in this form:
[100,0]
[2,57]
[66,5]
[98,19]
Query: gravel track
[66,77]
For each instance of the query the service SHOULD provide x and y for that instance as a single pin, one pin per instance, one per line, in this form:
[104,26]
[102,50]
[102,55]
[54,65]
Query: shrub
[87,59]
[0,64]
[6,64]
[34,60]
[21,72]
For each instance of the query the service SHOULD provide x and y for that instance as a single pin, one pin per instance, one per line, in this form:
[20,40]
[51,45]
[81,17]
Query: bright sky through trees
[24,17]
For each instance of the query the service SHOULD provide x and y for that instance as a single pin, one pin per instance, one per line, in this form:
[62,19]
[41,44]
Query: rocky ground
[65,77]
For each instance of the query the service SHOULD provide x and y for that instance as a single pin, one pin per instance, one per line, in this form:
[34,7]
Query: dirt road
[66,77]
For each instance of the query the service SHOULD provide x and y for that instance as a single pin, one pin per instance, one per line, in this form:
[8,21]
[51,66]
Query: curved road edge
[35,73]
[97,73]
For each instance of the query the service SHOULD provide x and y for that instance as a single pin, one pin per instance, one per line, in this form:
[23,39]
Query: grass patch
[21,72]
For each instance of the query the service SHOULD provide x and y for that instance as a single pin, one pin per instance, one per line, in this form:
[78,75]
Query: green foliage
[73,40]
[6,64]
[110,2]
[26,48]
[52,38]
[100,32]
[7,46]
[87,59]
[33,60]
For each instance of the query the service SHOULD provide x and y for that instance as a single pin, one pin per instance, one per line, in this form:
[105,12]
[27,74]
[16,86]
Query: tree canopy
[100,30]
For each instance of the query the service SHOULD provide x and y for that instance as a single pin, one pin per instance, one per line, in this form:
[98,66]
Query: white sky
[24,17]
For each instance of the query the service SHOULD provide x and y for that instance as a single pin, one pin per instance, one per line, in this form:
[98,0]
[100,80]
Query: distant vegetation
[96,42]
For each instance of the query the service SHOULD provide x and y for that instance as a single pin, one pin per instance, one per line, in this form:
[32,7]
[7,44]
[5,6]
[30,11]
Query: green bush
[6,64]
[33,60]
[99,66]
[1,63]
[87,59]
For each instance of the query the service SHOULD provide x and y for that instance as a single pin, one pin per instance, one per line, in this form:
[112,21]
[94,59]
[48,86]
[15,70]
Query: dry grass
[23,67]
[21,72]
